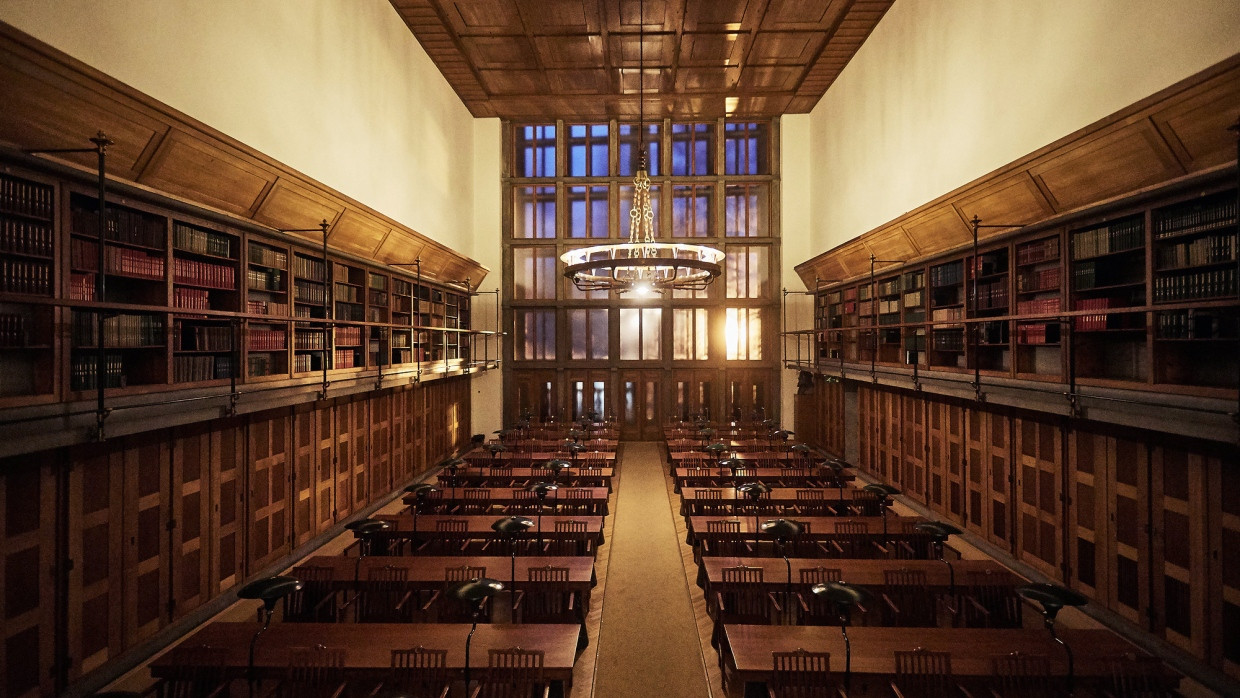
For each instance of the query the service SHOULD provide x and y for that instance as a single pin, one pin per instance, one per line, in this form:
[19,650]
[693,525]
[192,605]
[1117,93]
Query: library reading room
[619,348]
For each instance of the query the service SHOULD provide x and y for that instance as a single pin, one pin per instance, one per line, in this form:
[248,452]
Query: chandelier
[642,265]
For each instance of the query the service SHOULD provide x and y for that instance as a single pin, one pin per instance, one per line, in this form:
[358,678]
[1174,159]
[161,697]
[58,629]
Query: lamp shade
[705,433]
[800,448]
[842,593]
[1051,597]
[365,527]
[782,529]
[770,423]
[732,463]
[496,448]
[451,463]
[937,530]
[422,490]
[558,465]
[574,447]
[718,447]
[512,525]
[477,438]
[270,590]
[883,491]
[782,434]
[753,490]
[475,590]
[542,488]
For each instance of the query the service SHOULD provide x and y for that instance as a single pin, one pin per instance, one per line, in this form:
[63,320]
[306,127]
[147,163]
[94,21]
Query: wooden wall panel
[989,455]
[191,532]
[380,462]
[1039,489]
[268,500]
[1223,514]
[403,443]
[308,515]
[146,520]
[818,415]
[915,448]
[96,553]
[228,463]
[1089,537]
[28,562]
[945,462]
[1180,558]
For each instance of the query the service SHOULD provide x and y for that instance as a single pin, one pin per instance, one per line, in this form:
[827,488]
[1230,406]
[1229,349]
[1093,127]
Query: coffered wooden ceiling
[538,59]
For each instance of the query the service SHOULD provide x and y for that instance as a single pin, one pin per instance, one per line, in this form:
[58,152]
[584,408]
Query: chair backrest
[795,472]
[199,670]
[452,525]
[512,673]
[309,604]
[477,494]
[1138,676]
[865,502]
[851,528]
[801,674]
[578,493]
[723,526]
[539,575]
[571,527]
[820,575]
[923,673]
[742,575]
[809,495]
[996,595]
[314,671]
[904,578]
[420,671]
[708,494]
[501,471]
[464,573]
[1019,675]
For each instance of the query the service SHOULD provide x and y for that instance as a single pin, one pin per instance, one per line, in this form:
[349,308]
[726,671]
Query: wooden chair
[865,503]
[452,610]
[801,674]
[707,502]
[314,672]
[810,502]
[420,672]
[794,477]
[523,502]
[907,601]
[577,501]
[589,475]
[316,601]
[572,538]
[514,673]
[814,609]
[913,544]
[547,598]
[989,601]
[198,673]
[501,476]
[1138,676]
[742,598]
[477,500]
[921,673]
[723,539]
[852,539]
[385,596]
[1018,675]
[451,537]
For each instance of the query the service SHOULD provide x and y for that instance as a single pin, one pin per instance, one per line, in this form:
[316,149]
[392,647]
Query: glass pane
[535,335]
[587,212]
[533,214]
[689,340]
[745,210]
[743,334]
[598,334]
[588,329]
[745,148]
[533,272]
[692,149]
[587,150]
[630,334]
[628,149]
[650,401]
[747,271]
[652,326]
[691,215]
[535,151]
[600,397]
[578,322]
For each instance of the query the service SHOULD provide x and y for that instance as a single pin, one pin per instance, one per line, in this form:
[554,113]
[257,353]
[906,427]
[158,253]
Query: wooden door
[313,451]
[228,459]
[380,465]
[96,547]
[402,445]
[589,391]
[350,435]
[915,447]
[28,569]
[1183,570]
[946,461]
[890,441]
[535,392]
[1090,461]
[192,507]
[147,521]
[868,430]
[1039,490]
[641,413]
[267,506]
[1223,515]
[693,392]
[749,394]
[990,482]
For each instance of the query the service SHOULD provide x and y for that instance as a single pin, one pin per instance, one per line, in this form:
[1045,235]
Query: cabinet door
[402,445]
[1183,570]
[96,545]
[1090,459]
[350,422]
[1223,616]
[192,507]
[947,460]
[868,431]
[990,481]
[380,465]
[228,457]
[28,568]
[915,446]
[268,475]
[312,477]
[1039,489]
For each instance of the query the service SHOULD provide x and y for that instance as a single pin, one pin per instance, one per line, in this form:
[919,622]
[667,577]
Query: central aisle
[648,642]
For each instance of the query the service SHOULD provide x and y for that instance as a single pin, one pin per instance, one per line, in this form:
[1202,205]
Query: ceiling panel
[544,59]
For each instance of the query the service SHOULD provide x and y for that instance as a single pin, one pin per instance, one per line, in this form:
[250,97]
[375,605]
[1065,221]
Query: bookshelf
[135,253]
[402,321]
[349,297]
[988,280]
[309,301]
[27,253]
[1039,291]
[378,310]
[913,307]
[267,280]
[136,345]
[946,287]
[204,277]
[887,296]
[867,342]
[1108,265]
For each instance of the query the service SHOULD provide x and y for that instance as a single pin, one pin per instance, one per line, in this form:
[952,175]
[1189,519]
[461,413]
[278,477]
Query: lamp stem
[468,641]
[847,653]
[250,677]
[512,577]
[1050,625]
[788,588]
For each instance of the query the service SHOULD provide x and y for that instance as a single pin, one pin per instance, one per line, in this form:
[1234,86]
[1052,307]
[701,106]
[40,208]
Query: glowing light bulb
[643,289]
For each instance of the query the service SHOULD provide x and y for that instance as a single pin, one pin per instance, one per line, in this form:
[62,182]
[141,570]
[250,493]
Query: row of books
[913,298]
[1038,280]
[268,256]
[402,305]
[187,238]
[13,330]
[82,372]
[1195,324]
[946,314]
[210,274]
[307,362]
[1037,334]
[344,358]
[1091,275]
[1197,216]
[377,298]
[347,294]
[1204,250]
[188,337]
[81,286]
[262,365]
[1090,323]
[951,340]
[993,333]
[26,198]
[310,340]
[1203,284]
[401,287]
[190,369]
[989,263]
[348,311]
[26,277]
[1041,306]
[308,292]
[351,336]
[123,225]
[889,288]
[947,274]
[377,282]
[84,255]
[25,237]
[889,306]
[308,268]
[267,339]
[914,280]
[258,307]
[376,314]
[401,355]
[1036,252]
[119,331]
[1116,237]
[990,295]
[191,298]
[265,279]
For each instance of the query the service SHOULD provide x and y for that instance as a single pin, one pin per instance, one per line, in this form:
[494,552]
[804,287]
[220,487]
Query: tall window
[693,149]
[742,334]
[587,150]
[627,137]
[535,335]
[745,148]
[641,334]
[690,338]
[745,210]
[746,271]
[691,211]
[533,272]
[587,212]
[588,330]
[533,214]
[535,146]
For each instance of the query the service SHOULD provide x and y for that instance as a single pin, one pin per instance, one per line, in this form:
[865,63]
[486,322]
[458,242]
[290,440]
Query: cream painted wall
[945,91]
[338,89]
[796,171]
[487,406]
